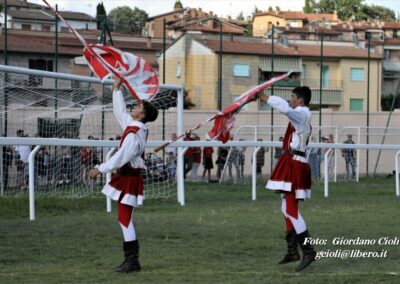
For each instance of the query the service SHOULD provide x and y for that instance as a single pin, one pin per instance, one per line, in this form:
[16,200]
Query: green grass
[220,236]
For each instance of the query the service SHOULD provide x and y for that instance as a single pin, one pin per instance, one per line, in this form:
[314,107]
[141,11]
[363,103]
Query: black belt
[294,152]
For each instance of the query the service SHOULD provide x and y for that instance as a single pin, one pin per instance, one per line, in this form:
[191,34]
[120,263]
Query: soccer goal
[71,118]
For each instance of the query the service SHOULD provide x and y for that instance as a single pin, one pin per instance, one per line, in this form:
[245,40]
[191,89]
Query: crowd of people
[54,166]
[230,158]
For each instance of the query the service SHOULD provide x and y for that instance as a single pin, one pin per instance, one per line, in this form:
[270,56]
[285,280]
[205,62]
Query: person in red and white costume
[126,186]
[292,174]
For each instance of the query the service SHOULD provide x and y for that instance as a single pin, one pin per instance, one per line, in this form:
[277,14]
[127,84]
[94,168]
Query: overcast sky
[220,7]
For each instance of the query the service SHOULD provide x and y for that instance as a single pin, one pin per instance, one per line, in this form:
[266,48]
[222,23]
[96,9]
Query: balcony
[331,95]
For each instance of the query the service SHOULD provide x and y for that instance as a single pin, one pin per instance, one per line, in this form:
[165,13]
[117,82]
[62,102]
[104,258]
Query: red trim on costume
[288,135]
[292,208]
[124,214]
[129,129]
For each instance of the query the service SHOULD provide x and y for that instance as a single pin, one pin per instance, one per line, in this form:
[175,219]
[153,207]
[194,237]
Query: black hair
[150,112]
[304,93]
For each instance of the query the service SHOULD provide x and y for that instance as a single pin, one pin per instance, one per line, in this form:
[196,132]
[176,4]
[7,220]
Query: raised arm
[296,117]
[119,106]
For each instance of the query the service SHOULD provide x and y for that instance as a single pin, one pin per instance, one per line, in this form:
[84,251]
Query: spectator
[172,149]
[196,153]
[43,161]
[87,163]
[222,154]
[349,156]
[233,160]
[260,156]
[171,165]
[331,155]
[188,158]
[22,155]
[241,161]
[207,162]
[171,159]
[313,159]
[8,157]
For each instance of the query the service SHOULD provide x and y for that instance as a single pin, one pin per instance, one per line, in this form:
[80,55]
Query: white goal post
[34,100]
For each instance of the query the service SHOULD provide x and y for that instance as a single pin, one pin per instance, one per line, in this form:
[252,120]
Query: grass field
[220,236]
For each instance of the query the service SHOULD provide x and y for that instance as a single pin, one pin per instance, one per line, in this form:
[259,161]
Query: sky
[222,8]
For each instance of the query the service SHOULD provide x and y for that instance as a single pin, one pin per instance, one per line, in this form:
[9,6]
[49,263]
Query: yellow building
[263,22]
[193,62]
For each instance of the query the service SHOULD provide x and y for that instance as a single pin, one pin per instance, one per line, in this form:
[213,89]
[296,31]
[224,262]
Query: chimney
[148,42]
[296,49]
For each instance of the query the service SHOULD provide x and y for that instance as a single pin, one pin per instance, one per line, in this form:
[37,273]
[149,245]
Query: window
[26,27]
[394,33]
[39,64]
[387,53]
[325,76]
[303,71]
[241,70]
[356,104]
[45,28]
[178,70]
[357,74]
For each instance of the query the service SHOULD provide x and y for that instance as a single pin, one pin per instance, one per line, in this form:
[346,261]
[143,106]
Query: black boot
[309,253]
[131,262]
[292,253]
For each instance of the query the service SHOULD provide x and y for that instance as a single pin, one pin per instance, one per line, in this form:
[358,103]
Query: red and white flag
[136,74]
[225,119]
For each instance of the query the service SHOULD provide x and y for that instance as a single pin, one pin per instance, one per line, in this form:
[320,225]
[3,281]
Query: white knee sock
[129,233]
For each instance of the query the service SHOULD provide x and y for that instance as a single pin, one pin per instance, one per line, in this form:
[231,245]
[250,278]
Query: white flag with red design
[225,119]
[137,74]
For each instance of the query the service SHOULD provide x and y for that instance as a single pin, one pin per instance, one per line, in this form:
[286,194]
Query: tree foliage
[240,16]
[308,4]
[101,15]
[379,12]
[125,19]
[350,9]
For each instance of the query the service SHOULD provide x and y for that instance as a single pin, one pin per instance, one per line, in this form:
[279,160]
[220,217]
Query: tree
[178,5]
[124,19]
[308,4]
[350,9]
[379,12]
[240,16]
[101,15]
[270,9]
[256,10]
[345,9]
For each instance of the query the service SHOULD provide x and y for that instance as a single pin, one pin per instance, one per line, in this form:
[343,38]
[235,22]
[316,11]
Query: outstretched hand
[262,96]
[93,173]
[117,83]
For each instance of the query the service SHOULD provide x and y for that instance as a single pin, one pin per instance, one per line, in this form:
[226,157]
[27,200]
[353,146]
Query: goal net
[61,106]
